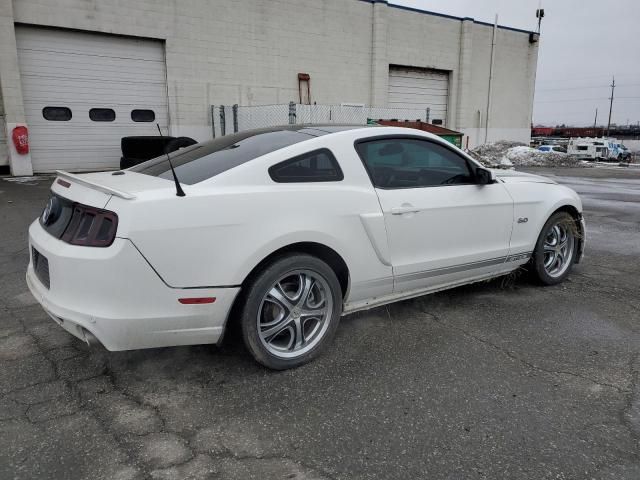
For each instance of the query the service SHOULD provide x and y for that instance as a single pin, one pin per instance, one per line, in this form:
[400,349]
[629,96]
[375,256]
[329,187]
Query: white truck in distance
[596,148]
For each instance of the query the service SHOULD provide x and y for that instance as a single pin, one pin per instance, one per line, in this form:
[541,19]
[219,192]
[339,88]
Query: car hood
[514,176]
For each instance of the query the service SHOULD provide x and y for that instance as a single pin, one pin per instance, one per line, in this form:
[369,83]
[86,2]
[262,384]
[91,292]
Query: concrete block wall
[250,52]
[10,92]
[465,85]
[513,86]
[463,47]
[426,41]
[4,152]
[242,51]
[379,54]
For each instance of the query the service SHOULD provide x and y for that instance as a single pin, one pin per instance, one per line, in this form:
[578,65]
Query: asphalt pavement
[498,380]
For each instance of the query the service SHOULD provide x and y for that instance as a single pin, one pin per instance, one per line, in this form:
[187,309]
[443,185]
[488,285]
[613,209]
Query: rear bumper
[115,295]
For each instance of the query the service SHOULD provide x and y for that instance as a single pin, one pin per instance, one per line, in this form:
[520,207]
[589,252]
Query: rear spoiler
[94,185]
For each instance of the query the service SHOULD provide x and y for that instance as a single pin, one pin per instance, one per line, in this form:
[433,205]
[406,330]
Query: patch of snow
[506,154]
[505,162]
[27,180]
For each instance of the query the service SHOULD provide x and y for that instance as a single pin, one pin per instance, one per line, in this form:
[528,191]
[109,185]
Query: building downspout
[493,51]
[464,115]
[379,64]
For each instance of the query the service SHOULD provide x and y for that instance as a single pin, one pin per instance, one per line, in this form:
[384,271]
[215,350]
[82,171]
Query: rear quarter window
[206,160]
[316,166]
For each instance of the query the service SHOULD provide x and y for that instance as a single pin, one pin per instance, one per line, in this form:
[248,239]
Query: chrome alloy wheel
[558,249]
[295,314]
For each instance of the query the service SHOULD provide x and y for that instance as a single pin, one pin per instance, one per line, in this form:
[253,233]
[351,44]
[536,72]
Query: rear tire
[556,249]
[291,311]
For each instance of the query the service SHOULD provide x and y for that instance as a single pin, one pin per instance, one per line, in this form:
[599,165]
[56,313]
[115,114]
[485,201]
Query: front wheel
[555,250]
[291,311]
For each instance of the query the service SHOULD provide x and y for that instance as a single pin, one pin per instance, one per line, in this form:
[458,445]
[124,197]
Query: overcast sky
[583,43]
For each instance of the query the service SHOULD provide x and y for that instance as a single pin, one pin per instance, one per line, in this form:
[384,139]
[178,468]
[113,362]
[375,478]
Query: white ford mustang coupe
[284,230]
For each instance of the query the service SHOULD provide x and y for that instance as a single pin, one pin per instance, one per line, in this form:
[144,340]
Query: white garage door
[420,88]
[83,92]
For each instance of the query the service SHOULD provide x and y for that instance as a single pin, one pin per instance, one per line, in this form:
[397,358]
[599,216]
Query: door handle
[404,209]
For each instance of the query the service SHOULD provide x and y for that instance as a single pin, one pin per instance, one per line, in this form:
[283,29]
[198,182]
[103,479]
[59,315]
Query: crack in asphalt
[122,443]
[122,439]
[617,292]
[82,406]
[608,267]
[517,358]
[138,401]
[626,413]
[626,416]
[631,421]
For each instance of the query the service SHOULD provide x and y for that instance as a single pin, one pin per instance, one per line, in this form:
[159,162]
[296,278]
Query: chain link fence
[227,119]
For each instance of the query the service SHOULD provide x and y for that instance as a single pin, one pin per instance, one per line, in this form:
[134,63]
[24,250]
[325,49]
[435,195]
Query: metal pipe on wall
[223,122]
[213,121]
[493,51]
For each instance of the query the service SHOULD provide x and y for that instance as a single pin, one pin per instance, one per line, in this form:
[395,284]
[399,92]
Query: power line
[567,88]
[572,100]
[582,99]
[580,77]
[585,87]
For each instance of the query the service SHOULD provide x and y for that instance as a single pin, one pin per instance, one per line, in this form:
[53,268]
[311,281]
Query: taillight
[91,227]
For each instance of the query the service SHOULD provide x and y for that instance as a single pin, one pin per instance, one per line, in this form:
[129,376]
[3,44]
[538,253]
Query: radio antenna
[179,191]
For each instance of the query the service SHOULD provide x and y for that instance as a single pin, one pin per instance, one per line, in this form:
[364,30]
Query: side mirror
[484,176]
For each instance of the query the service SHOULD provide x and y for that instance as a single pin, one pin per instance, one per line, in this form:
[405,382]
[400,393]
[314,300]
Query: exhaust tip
[90,338]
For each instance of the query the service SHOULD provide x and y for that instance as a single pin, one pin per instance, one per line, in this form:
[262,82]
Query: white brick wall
[12,110]
[438,42]
[250,52]
[513,76]
[4,152]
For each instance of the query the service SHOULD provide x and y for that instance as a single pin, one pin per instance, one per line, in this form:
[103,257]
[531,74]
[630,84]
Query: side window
[143,115]
[56,114]
[412,163]
[102,114]
[317,166]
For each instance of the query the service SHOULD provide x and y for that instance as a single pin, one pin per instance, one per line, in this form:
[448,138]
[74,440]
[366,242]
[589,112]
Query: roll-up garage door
[419,88]
[83,92]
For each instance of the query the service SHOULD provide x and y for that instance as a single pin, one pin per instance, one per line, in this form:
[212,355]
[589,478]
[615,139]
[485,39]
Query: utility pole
[595,120]
[613,86]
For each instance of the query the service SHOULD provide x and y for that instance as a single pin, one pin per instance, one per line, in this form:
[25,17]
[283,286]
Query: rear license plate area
[41,267]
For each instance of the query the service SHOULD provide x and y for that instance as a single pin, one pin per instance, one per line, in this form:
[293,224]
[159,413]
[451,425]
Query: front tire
[291,311]
[556,249]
